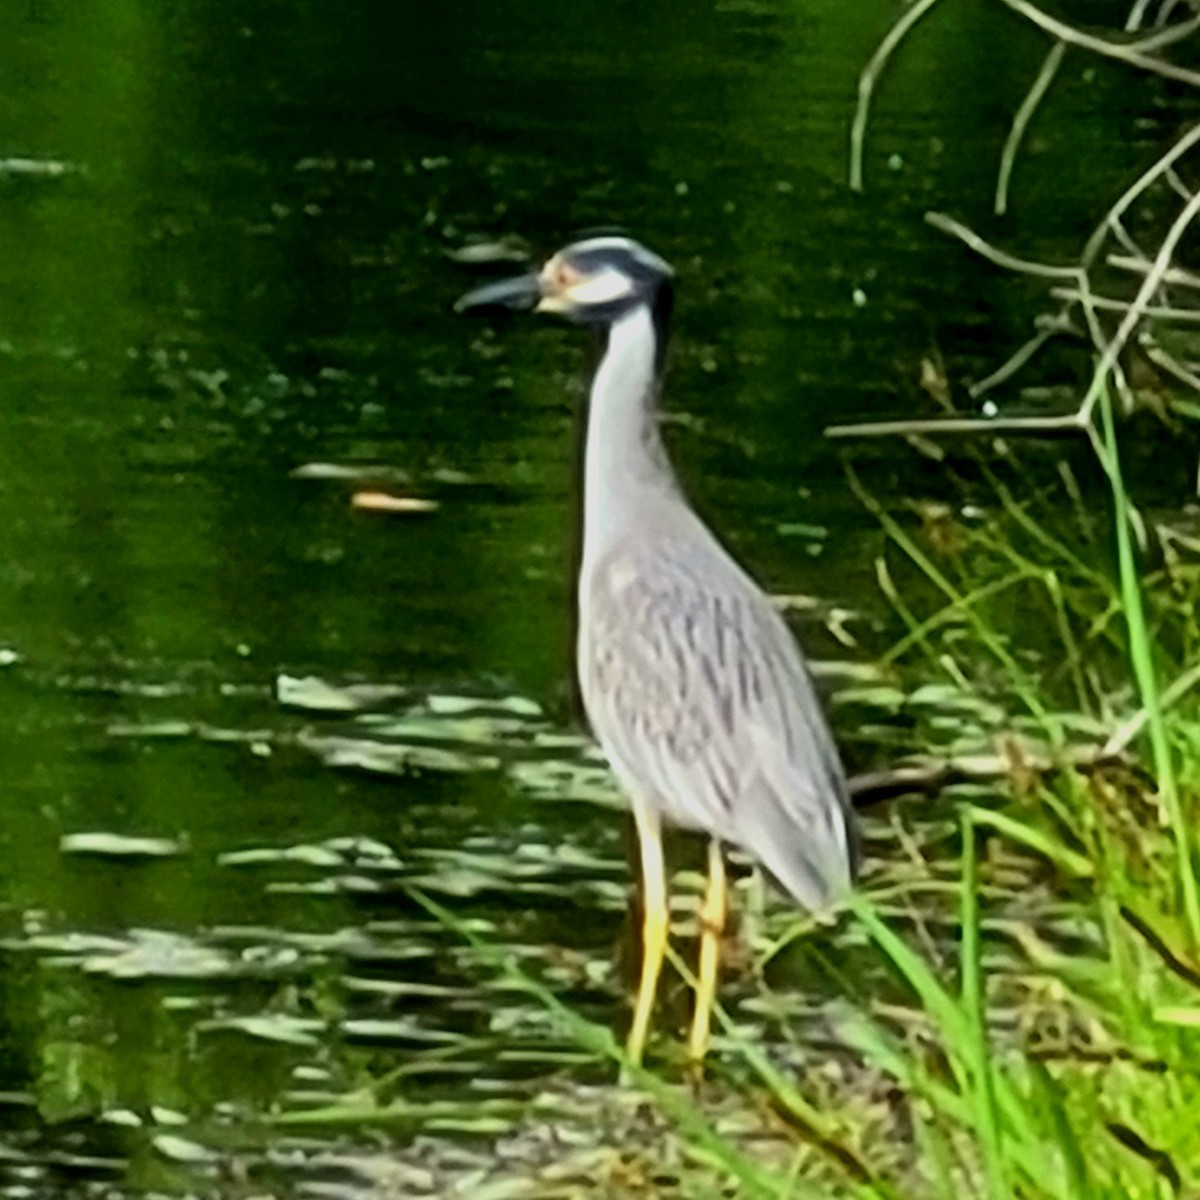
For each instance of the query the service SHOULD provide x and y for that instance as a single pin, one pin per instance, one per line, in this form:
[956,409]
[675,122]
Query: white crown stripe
[602,288]
[634,249]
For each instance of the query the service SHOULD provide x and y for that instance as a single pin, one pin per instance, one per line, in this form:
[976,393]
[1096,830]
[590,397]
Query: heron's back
[699,696]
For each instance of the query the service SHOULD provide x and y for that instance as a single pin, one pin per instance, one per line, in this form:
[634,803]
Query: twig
[1181,189]
[1139,264]
[1065,423]
[1122,235]
[1171,365]
[1131,53]
[1168,35]
[1000,257]
[1108,304]
[1019,357]
[1164,13]
[1134,191]
[1107,367]
[1152,282]
[1137,14]
[1021,119]
[868,79]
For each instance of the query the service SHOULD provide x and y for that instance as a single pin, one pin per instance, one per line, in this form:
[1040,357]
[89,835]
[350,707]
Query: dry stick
[1066,422]
[1168,36]
[1172,366]
[1181,189]
[1111,223]
[868,79]
[1000,257]
[1164,13]
[1060,323]
[1135,191]
[1021,119]
[1076,274]
[1150,285]
[1131,53]
[1137,15]
[1110,304]
[1122,235]
[933,425]
[1107,368]
[1139,265]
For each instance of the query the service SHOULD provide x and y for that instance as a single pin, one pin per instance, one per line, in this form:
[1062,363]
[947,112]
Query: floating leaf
[272,1027]
[384,502]
[181,1150]
[314,694]
[351,472]
[115,845]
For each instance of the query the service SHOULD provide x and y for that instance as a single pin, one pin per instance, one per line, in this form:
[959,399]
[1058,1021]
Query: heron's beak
[525,291]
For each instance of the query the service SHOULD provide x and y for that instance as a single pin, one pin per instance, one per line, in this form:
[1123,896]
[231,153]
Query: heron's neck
[625,463]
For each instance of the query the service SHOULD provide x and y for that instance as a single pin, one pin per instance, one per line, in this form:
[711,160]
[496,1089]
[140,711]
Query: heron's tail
[812,850]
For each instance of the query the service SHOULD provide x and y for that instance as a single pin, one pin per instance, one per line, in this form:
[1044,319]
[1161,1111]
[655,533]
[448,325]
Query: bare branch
[868,79]
[1107,303]
[1065,423]
[1135,190]
[1015,361]
[1021,119]
[1137,310]
[1000,257]
[1180,188]
[1164,13]
[1168,36]
[1171,365]
[1132,53]
[1137,14]
[1140,264]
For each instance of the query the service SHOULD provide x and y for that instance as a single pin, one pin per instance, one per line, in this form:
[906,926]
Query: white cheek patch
[602,288]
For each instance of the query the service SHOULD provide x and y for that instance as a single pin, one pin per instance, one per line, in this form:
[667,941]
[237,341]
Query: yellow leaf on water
[383,502]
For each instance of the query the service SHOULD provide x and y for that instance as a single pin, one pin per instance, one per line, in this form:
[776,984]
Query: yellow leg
[712,926]
[654,925]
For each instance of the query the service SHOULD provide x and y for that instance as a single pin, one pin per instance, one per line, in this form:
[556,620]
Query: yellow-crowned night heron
[692,682]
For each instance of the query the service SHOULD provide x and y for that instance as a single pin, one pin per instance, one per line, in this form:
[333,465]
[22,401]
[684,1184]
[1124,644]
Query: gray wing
[698,695]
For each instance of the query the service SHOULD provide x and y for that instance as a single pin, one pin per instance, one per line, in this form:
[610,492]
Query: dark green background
[246,269]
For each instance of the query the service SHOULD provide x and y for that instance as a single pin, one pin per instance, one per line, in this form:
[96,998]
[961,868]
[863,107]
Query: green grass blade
[1142,656]
[974,1003]
[1063,857]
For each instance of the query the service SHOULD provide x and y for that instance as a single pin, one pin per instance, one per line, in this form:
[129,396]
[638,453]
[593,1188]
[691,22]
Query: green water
[228,311]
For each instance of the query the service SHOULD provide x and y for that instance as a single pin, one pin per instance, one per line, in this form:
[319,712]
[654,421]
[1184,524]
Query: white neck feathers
[625,461]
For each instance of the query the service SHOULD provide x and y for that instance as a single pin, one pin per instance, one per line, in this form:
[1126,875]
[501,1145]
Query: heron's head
[596,282]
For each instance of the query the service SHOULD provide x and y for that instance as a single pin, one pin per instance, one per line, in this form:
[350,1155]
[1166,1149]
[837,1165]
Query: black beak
[522,292]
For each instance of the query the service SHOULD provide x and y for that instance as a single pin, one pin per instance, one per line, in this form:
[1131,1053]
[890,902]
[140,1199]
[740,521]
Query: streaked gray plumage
[694,686]
[697,694]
